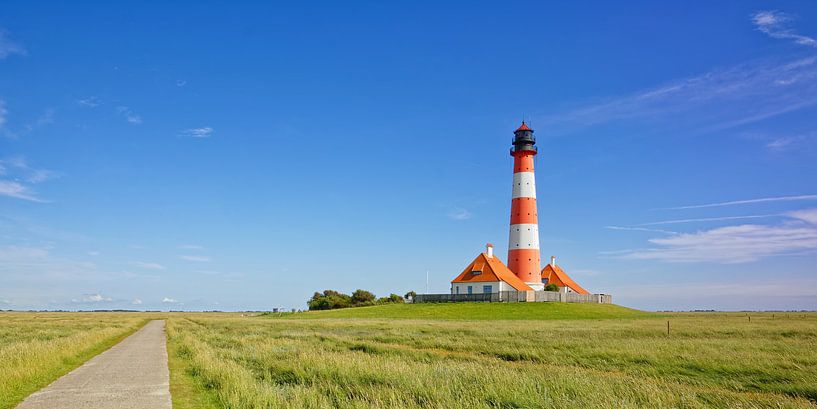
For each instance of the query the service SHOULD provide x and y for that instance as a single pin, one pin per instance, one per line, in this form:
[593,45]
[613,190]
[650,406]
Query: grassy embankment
[37,348]
[479,311]
[504,355]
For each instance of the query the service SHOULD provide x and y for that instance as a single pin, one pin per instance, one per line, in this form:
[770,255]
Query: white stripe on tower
[524,185]
[524,237]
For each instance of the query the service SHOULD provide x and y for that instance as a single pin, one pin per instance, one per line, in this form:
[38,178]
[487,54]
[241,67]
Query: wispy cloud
[136,301]
[204,132]
[20,166]
[149,265]
[129,115]
[749,201]
[807,215]
[198,259]
[710,219]
[168,300]
[718,99]
[92,298]
[90,102]
[787,143]
[18,191]
[734,244]
[17,173]
[460,214]
[9,47]
[777,24]
[190,247]
[644,229]
[44,119]
[181,83]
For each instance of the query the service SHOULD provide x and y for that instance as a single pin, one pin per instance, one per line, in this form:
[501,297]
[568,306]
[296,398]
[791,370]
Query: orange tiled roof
[523,127]
[492,270]
[559,277]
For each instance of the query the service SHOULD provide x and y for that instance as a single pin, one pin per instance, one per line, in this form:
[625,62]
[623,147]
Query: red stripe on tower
[523,242]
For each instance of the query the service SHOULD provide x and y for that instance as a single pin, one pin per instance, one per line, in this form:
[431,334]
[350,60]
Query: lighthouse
[523,242]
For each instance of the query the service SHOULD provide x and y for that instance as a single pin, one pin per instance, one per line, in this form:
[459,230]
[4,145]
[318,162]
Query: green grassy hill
[481,311]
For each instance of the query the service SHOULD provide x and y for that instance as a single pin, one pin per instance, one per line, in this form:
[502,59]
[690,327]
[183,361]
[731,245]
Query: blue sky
[225,156]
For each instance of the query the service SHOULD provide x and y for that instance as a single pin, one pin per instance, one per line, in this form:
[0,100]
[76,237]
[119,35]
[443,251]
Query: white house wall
[496,286]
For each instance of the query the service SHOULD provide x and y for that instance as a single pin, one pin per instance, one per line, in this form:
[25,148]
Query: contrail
[709,219]
[750,201]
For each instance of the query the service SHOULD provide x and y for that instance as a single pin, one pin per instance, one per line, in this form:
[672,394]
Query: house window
[470,289]
[487,289]
[458,289]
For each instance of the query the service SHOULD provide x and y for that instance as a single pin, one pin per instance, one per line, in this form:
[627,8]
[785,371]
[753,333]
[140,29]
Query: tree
[329,300]
[362,297]
[410,295]
[552,287]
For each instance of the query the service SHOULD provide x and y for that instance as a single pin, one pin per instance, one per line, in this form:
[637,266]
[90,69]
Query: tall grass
[706,361]
[37,348]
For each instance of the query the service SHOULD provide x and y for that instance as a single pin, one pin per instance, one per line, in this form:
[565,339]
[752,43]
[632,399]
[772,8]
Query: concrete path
[131,375]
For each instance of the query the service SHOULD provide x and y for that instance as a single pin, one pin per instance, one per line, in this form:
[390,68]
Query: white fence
[517,296]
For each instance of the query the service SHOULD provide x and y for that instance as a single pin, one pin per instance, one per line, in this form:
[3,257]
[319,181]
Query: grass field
[36,349]
[498,355]
[478,311]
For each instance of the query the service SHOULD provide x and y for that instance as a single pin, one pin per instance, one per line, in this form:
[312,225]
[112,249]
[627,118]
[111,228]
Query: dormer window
[476,269]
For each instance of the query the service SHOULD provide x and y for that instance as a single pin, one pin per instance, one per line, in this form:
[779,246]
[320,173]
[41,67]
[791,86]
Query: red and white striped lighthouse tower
[523,243]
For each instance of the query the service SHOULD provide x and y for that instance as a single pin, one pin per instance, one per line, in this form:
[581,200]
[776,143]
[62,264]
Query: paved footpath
[131,375]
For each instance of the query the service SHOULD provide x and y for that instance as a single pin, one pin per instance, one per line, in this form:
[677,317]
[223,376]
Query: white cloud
[129,115]
[150,266]
[92,298]
[775,24]
[786,143]
[168,300]
[629,228]
[718,99]
[750,201]
[780,143]
[808,215]
[460,214]
[181,83]
[732,244]
[204,132]
[136,301]
[90,102]
[17,167]
[8,47]
[93,253]
[199,259]
[16,190]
